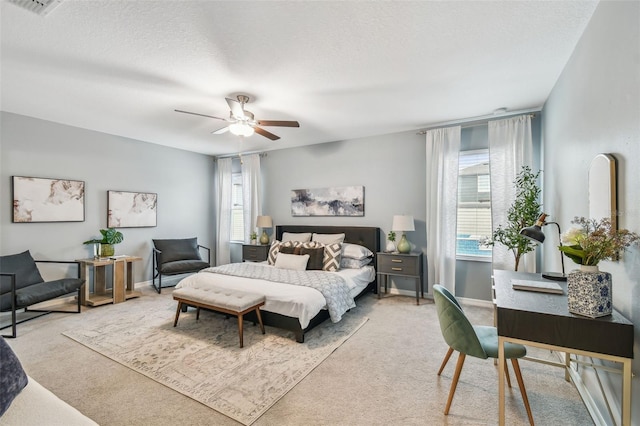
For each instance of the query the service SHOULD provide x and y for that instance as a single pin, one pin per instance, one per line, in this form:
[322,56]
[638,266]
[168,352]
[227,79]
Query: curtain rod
[261,154]
[482,119]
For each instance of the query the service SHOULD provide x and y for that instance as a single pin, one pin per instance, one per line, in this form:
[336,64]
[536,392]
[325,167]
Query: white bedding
[295,301]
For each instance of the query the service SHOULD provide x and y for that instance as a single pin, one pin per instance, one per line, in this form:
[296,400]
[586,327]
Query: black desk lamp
[534,233]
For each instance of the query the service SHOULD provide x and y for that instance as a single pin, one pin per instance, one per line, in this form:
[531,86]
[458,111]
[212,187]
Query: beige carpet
[202,359]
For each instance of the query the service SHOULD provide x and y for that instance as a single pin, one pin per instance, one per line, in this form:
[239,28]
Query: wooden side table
[402,265]
[255,253]
[122,286]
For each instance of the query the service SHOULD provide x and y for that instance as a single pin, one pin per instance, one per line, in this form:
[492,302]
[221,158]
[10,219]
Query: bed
[292,307]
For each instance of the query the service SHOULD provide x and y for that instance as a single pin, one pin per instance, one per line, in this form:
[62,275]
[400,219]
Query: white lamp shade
[264,222]
[403,223]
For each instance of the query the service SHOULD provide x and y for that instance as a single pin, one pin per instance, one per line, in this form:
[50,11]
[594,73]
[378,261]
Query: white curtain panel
[443,146]
[223,221]
[251,184]
[510,148]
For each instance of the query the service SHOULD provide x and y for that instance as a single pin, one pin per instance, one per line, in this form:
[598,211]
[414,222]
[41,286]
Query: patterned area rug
[203,360]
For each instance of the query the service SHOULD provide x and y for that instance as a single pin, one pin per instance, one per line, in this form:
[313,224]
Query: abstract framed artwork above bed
[299,308]
[334,201]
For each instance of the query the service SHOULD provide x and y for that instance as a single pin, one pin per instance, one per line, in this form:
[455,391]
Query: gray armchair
[21,286]
[176,257]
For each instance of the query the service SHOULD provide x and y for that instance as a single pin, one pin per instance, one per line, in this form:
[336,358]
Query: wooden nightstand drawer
[398,265]
[251,253]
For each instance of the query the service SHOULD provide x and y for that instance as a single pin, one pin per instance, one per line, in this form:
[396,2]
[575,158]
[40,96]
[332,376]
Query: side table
[402,265]
[255,253]
[122,286]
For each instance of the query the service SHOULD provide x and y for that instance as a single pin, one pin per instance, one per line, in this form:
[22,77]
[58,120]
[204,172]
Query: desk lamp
[535,234]
[264,222]
[403,223]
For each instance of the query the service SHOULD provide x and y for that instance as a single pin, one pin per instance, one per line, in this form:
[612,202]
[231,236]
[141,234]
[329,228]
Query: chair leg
[523,391]
[175,322]
[445,360]
[506,373]
[454,383]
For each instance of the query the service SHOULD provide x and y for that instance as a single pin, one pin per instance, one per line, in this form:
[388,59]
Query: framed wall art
[335,201]
[131,209]
[47,200]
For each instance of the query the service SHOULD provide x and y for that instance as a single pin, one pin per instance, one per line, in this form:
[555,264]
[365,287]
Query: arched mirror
[602,189]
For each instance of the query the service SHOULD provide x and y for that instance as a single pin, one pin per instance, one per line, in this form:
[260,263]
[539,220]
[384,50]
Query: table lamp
[535,234]
[403,223]
[264,222]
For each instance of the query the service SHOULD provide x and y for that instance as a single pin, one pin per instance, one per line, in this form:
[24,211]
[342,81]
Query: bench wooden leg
[260,319]
[240,323]
[175,322]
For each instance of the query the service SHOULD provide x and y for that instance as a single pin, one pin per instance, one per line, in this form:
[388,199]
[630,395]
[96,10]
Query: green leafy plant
[523,212]
[391,236]
[253,236]
[109,236]
[592,241]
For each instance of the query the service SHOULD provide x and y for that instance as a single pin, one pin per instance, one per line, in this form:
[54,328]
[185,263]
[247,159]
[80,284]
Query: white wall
[32,147]
[595,108]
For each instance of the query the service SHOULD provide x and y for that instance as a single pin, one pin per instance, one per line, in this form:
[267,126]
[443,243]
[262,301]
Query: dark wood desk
[543,320]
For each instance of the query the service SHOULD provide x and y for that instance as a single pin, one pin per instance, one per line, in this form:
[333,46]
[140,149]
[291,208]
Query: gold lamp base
[264,238]
[404,246]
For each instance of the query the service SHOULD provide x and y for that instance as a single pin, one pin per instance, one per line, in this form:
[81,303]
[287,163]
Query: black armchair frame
[14,306]
[157,261]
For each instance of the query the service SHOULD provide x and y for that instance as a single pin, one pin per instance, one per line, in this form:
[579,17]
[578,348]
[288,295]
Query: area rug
[202,359]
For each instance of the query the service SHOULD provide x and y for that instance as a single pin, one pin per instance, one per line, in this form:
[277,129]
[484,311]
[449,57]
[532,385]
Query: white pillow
[328,238]
[302,236]
[355,251]
[292,261]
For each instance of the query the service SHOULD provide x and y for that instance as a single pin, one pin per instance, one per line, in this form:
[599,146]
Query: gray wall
[183,181]
[595,108]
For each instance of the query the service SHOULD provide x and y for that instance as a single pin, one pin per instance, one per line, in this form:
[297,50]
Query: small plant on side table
[110,237]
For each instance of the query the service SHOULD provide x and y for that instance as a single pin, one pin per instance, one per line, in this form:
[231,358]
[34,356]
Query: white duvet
[295,301]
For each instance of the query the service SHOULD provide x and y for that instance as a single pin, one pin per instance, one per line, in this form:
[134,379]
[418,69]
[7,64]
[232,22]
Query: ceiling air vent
[40,7]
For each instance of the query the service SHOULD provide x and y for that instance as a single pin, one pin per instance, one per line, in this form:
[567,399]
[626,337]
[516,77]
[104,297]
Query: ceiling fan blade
[220,131]
[201,115]
[278,123]
[236,108]
[266,134]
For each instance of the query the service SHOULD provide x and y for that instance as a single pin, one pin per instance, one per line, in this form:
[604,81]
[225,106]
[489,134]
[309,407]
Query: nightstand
[257,253]
[402,265]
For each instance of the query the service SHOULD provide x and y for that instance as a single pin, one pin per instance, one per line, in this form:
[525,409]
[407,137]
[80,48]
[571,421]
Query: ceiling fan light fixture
[241,129]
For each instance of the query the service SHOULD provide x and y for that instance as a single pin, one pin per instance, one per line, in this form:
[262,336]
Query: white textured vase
[589,292]
[391,247]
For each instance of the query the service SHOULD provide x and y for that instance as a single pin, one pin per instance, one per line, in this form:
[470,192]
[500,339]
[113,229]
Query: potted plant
[391,245]
[254,238]
[110,237]
[589,290]
[523,212]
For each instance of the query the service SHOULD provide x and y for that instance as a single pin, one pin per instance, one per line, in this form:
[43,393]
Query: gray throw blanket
[333,287]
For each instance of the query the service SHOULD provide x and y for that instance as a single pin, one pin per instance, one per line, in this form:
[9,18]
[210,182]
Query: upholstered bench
[232,302]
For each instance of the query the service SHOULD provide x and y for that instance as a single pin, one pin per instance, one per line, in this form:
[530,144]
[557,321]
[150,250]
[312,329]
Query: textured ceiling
[343,69]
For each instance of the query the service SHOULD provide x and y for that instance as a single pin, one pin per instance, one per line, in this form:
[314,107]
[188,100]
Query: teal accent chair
[477,341]
[453,299]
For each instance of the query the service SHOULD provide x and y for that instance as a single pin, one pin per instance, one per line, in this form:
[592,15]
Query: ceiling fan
[242,122]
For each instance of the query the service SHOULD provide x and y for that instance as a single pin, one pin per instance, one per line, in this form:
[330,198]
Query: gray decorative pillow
[316,258]
[347,263]
[12,377]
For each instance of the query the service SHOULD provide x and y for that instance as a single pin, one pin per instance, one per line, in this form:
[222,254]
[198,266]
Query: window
[474,205]
[237,214]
